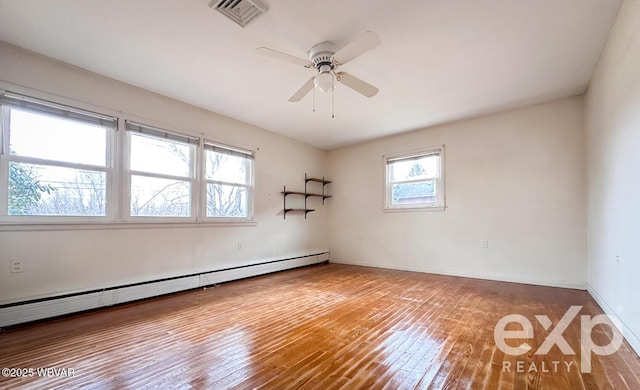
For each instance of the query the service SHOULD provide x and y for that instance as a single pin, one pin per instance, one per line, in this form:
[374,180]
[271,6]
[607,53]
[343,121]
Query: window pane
[227,168]
[54,138]
[46,190]
[156,155]
[153,197]
[426,167]
[226,201]
[414,193]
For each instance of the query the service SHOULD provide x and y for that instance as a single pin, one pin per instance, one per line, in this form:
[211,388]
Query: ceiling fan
[325,58]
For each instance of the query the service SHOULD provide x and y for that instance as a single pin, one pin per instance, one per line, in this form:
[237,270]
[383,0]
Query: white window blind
[161,133]
[26,103]
[418,156]
[226,149]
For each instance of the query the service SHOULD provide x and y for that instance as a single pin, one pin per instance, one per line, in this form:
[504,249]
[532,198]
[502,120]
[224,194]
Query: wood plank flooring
[321,327]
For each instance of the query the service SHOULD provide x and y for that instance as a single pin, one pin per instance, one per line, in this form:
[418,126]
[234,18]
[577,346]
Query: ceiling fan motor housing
[321,56]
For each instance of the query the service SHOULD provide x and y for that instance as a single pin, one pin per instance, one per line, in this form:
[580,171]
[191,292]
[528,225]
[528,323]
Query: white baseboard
[17,313]
[631,337]
[461,273]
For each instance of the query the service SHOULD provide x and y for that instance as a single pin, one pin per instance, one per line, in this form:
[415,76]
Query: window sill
[409,209]
[21,226]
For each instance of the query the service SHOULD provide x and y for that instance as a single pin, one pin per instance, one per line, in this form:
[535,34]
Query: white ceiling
[439,61]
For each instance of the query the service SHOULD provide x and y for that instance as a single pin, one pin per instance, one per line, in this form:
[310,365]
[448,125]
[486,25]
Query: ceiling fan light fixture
[324,81]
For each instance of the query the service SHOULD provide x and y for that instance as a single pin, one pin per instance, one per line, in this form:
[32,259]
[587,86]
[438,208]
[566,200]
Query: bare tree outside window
[227,178]
[160,179]
[417,170]
[60,191]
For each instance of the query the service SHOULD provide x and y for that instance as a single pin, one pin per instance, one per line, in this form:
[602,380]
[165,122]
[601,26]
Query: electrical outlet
[16,267]
[484,244]
[240,246]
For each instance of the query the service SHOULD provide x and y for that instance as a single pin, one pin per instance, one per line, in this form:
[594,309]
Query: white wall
[63,261]
[613,155]
[516,179]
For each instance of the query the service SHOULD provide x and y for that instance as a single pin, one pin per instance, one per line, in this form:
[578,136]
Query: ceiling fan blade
[366,42]
[306,87]
[356,84]
[284,57]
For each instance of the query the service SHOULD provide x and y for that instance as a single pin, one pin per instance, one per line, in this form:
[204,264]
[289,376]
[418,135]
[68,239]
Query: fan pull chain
[314,98]
[333,94]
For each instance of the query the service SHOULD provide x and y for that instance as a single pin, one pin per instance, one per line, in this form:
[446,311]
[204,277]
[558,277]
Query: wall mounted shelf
[306,211]
[306,195]
[317,180]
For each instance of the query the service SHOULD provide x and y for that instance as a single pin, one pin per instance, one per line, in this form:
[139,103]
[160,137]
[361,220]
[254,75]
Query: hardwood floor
[321,327]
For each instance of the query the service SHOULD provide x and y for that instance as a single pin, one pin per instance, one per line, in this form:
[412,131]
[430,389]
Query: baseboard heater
[37,309]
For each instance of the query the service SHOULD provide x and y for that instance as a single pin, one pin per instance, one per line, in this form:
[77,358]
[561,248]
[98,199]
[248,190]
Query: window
[56,160]
[229,181]
[161,172]
[64,165]
[415,180]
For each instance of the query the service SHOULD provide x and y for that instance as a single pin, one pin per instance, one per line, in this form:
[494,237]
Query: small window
[161,172]
[57,158]
[415,180]
[229,181]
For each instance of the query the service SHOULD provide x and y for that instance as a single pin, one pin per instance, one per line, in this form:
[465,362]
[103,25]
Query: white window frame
[440,202]
[6,158]
[249,186]
[159,133]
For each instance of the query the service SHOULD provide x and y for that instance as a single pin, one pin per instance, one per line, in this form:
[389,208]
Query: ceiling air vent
[240,11]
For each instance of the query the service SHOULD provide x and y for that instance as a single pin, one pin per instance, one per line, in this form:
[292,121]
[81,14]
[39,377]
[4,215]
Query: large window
[61,164]
[415,180]
[56,160]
